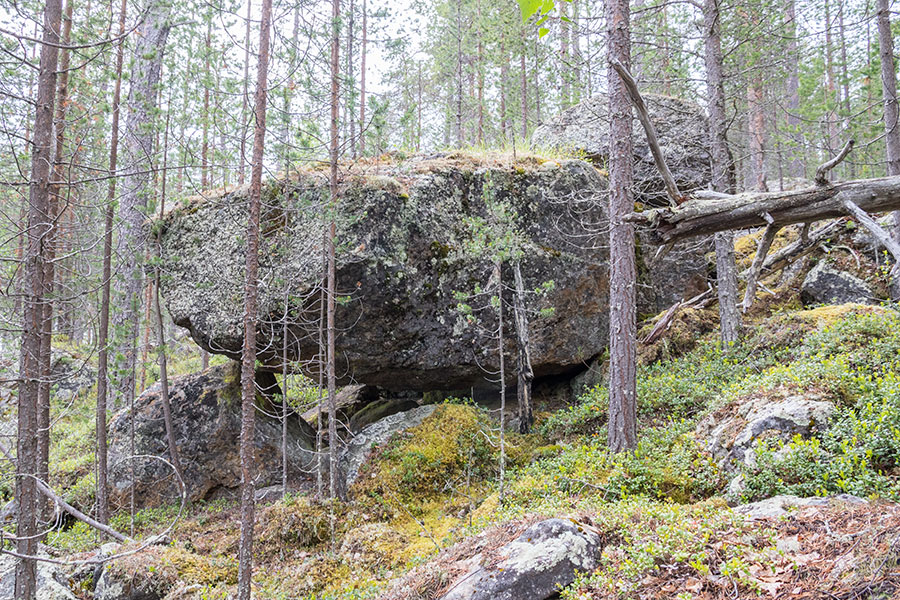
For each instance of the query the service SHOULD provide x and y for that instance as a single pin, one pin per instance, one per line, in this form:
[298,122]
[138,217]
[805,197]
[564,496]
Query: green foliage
[667,465]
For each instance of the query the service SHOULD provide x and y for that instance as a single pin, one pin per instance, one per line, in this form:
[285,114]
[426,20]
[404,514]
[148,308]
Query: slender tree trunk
[151,37]
[245,101]
[504,76]
[524,90]
[757,130]
[160,325]
[845,86]
[39,223]
[891,109]
[833,98]
[525,372]
[333,442]
[564,66]
[796,168]
[419,111]
[350,110]
[722,172]
[622,432]
[103,335]
[480,48]
[204,148]
[53,237]
[502,352]
[459,75]
[362,80]
[251,317]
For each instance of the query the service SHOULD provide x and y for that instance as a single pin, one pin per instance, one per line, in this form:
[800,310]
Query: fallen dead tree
[705,213]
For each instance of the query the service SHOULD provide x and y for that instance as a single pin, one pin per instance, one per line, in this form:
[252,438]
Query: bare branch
[824,168]
[764,244]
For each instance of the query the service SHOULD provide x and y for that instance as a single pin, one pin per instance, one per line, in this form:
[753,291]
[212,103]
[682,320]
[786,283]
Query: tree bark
[251,317]
[796,168]
[38,228]
[525,372]
[103,335]
[333,442]
[891,108]
[362,80]
[722,172]
[622,433]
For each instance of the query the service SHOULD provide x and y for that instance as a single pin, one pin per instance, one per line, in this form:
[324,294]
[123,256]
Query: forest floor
[663,511]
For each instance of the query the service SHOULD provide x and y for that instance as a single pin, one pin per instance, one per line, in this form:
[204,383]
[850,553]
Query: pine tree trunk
[757,130]
[333,442]
[251,316]
[622,433]
[722,172]
[38,228]
[891,109]
[103,335]
[796,168]
[362,81]
[564,75]
[245,100]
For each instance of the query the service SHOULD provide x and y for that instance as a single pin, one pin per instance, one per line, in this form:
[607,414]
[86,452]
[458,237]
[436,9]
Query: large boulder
[681,127]
[825,284]
[534,566]
[52,582]
[206,418]
[405,245]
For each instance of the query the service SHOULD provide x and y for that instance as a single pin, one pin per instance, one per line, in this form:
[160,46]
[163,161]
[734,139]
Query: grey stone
[206,415]
[378,433]
[778,506]
[380,409]
[681,127]
[826,285]
[532,567]
[731,433]
[52,582]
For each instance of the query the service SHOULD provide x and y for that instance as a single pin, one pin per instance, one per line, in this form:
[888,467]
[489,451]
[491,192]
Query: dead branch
[824,168]
[675,196]
[705,214]
[877,231]
[799,248]
[666,320]
[762,250]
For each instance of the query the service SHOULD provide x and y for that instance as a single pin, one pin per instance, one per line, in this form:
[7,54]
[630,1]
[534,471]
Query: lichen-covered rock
[405,246]
[532,567]
[52,582]
[826,285]
[681,127]
[777,506]
[376,434]
[206,414]
[731,433]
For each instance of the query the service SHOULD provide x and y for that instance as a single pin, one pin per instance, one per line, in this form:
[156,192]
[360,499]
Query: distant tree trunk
[722,172]
[832,95]
[350,110]
[796,168]
[757,130]
[333,442]
[151,37]
[537,82]
[204,148]
[419,112]
[564,75]
[575,53]
[504,76]
[251,316]
[362,81]
[38,230]
[524,71]
[459,75]
[525,372]
[622,433]
[103,335]
[480,79]
[845,85]
[245,100]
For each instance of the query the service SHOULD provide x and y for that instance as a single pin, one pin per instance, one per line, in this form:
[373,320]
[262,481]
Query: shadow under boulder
[206,418]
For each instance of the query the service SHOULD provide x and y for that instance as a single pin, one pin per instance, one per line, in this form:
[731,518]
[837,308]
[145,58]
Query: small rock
[731,433]
[777,506]
[532,567]
[826,285]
